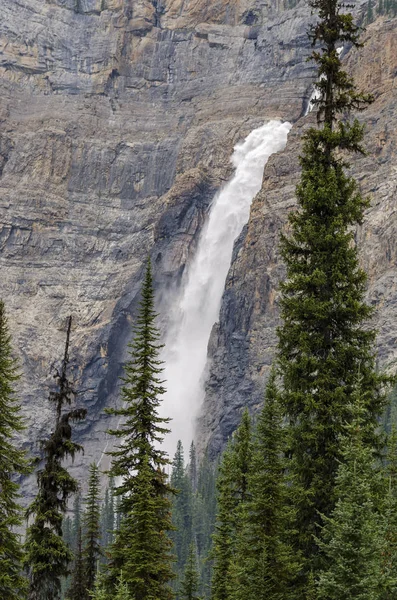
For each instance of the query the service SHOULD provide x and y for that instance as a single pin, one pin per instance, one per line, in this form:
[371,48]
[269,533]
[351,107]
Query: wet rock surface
[243,344]
[117,123]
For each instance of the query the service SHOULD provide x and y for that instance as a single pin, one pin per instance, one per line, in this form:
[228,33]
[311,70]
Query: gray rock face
[243,343]
[118,119]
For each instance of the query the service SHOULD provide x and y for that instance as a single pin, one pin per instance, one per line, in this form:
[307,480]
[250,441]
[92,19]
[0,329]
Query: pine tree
[99,592]
[193,467]
[76,522]
[181,510]
[142,545]
[370,12]
[389,520]
[67,535]
[91,526]
[232,487]
[122,592]
[108,524]
[266,564]
[78,588]
[67,530]
[141,549]
[190,583]
[324,341]
[47,554]
[351,537]
[12,465]
[204,509]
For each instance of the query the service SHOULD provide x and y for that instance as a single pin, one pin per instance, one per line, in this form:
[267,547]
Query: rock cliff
[117,121]
[243,343]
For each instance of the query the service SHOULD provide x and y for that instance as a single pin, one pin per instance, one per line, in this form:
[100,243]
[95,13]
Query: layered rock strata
[242,345]
[117,121]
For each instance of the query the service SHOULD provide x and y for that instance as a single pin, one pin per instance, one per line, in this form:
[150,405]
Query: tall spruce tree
[193,467]
[76,522]
[204,508]
[232,487]
[78,588]
[190,583]
[47,554]
[181,510]
[12,465]
[324,341]
[91,527]
[266,564]
[108,524]
[141,549]
[351,537]
[389,518]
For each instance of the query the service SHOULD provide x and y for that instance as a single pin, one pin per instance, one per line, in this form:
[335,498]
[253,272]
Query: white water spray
[197,306]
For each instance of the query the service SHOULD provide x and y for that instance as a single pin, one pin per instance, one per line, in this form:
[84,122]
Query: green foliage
[78,588]
[338,93]
[387,7]
[141,549]
[193,467]
[76,522]
[389,520]
[324,341]
[190,583]
[370,12]
[181,509]
[91,526]
[107,523]
[351,537]
[99,592]
[266,564]
[47,554]
[122,592]
[204,508]
[232,487]
[12,465]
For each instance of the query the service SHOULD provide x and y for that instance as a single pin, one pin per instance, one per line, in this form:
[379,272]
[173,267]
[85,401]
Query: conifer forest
[302,502]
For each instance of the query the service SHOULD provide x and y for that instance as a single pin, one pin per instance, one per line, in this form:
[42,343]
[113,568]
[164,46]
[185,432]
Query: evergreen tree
[108,524]
[141,549]
[351,537]
[142,545]
[47,554]
[99,592]
[232,487]
[67,530]
[324,341]
[370,12]
[12,465]
[204,509]
[67,535]
[389,520]
[78,588]
[122,592]
[193,467]
[181,509]
[91,525]
[76,522]
[266,564]
[190,583]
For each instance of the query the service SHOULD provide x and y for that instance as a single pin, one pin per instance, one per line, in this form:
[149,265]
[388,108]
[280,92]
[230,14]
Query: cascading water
[197,306]
[316,94]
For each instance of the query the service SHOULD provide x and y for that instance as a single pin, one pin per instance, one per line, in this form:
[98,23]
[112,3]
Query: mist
[197,304]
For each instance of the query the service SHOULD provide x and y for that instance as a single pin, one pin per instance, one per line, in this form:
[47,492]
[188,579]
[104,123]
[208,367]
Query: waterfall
[196,306]
[316,94]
